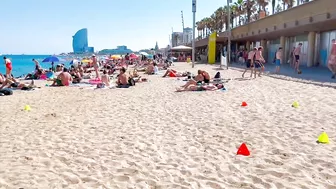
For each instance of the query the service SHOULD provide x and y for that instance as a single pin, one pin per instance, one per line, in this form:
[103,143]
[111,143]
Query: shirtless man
[37,64]
[250,60]
[63,79]
[95,65]
[296,54]
[122,81]
[259,62]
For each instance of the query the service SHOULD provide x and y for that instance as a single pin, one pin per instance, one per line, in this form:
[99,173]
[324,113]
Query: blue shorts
[277,62]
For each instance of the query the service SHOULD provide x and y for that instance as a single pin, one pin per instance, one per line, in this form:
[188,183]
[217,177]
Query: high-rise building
[177,39]
[182,38]
[80,42]
[187,35]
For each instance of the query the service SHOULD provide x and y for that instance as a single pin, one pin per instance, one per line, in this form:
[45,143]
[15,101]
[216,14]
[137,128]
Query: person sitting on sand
[206,76]
[122,81]
[63,79]
[76,77]
[201,88]
[36,75]
[105,78]
[150,69]
[156,69]
[2,78]
[13,83]
[80,69]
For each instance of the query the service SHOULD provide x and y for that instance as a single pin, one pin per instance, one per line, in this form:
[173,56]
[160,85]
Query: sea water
[23,64]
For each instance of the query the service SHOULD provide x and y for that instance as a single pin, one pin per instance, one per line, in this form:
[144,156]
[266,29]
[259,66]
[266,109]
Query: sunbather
[200,88]
[63,79]
[174,73]
[13,83]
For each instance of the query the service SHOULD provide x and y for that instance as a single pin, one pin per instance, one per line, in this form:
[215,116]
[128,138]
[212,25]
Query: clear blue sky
[47,26]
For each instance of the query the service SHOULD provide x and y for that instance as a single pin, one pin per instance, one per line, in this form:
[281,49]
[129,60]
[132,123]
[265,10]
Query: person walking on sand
[37,64]
[278,60]
[9,67]
[332,61]
[95,65]
[259,62]
[297,53]
[250,60]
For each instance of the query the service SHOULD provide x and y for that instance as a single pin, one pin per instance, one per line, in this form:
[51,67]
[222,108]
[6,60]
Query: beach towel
[6,92]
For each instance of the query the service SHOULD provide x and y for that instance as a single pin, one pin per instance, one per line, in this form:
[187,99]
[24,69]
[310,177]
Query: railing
[242,19]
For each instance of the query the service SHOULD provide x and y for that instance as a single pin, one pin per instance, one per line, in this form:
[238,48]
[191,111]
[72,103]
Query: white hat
[93,55]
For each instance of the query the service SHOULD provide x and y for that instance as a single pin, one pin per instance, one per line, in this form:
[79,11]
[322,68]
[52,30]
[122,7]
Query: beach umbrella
[86,60]
[114,57]
[74,61]
[51,59]
[133,56]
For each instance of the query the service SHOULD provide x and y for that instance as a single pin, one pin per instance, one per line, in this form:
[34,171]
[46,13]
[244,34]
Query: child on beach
[278,59]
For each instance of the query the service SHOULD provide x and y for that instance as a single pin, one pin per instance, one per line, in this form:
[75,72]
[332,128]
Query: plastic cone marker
[295,104]
[27,108]
[323,138]
[244,104]
[243,150]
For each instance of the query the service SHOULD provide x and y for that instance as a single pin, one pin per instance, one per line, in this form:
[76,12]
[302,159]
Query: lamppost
[193,40]
[229,34]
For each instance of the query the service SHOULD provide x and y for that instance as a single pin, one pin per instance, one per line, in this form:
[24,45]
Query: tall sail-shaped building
[80,42]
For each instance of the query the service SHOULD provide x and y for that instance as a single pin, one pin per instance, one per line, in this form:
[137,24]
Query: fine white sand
[149,136]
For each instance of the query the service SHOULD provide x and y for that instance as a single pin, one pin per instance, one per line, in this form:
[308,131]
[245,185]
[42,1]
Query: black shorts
[206,80]
[248,63]
[297,58]
[257,64]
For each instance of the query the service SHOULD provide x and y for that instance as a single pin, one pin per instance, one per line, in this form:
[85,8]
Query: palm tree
[262,4]
[250,8]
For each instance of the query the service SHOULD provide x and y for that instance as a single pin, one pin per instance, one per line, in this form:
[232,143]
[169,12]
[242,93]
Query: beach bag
[131,82]
[6,91]
[217,76]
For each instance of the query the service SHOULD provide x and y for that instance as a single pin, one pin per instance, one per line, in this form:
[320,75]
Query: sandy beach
[149,136]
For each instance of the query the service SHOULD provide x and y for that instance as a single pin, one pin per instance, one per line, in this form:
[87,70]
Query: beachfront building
[80,42]
[181,38]
[312,23]
[120,50]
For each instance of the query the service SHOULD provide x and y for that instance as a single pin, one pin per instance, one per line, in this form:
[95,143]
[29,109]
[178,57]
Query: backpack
[131,82]
[6,91]
[217,76]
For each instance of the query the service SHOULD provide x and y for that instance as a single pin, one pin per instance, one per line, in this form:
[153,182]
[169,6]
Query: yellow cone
[323,138]
[27,108]
[295,104]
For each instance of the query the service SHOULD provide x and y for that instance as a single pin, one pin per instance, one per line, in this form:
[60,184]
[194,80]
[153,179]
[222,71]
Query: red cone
[244,104]
[243,150]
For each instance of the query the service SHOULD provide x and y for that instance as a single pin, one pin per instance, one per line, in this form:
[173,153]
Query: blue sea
[23,64]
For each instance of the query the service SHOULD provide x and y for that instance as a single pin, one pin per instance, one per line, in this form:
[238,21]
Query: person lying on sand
[195,81]
[175,73]
[13,83]
[63,79]
[205,75]
[200,88]
[122,81]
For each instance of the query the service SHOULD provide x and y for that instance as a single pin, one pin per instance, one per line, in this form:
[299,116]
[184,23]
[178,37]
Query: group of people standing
[255,62]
